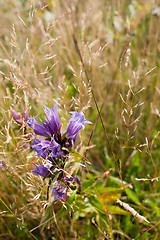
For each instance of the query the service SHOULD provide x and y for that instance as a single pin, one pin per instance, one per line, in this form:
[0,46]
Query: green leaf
[109,190]
[88,183]
[132,196]
[107,198]
[96,204]
[117,210]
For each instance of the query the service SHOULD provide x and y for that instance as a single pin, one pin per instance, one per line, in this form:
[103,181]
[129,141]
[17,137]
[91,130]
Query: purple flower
[73,180]
[56,151]
[20,117]
[77,180]
[52,115]
[41,147]
[50,127]
[73,131]
[1,165]
[46,148]
[79,117]
[38,128]
[59,192]
[77,122]
[41,170]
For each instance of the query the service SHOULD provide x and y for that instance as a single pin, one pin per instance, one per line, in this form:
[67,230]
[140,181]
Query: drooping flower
[50,127]
[77,122]
[59,192]
[41,170]
[20,117]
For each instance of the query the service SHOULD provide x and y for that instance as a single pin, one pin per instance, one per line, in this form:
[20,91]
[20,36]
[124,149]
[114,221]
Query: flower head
[79,118]
[38,128]
[77,122]
[51,125]
[47,149]
[73,180]
[41,147]
[2,165]
[41,170]
[59,192]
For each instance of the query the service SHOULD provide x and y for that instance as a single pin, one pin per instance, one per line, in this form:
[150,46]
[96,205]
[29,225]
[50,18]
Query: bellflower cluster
[54,147]
[54,150]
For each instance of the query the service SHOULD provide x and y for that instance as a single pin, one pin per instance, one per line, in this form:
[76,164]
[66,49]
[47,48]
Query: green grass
[40,65]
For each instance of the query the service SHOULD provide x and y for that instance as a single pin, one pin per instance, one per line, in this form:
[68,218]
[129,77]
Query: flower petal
[59,192]
[41,170]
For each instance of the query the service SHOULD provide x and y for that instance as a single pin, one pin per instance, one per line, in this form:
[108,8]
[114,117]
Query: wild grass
[78,53]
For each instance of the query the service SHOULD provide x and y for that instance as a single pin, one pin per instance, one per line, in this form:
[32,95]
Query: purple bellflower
[46,148]
[41,170]
[41,147]
[56,147]
[20,117]
[77,122]
[59,192]
[1,165]
[38,128]
[50,127]
[73,180]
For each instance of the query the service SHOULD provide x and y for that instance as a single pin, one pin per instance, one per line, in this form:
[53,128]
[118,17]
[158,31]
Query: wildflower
[77,122]
[48,128]
[46,148]
[59,192]
[41,170]
[20,117]
[1,165]
[41,147]
[52,127]
[38,128]
[55,148]
[72,180]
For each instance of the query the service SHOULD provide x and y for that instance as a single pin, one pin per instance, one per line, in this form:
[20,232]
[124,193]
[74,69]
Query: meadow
[102,58]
